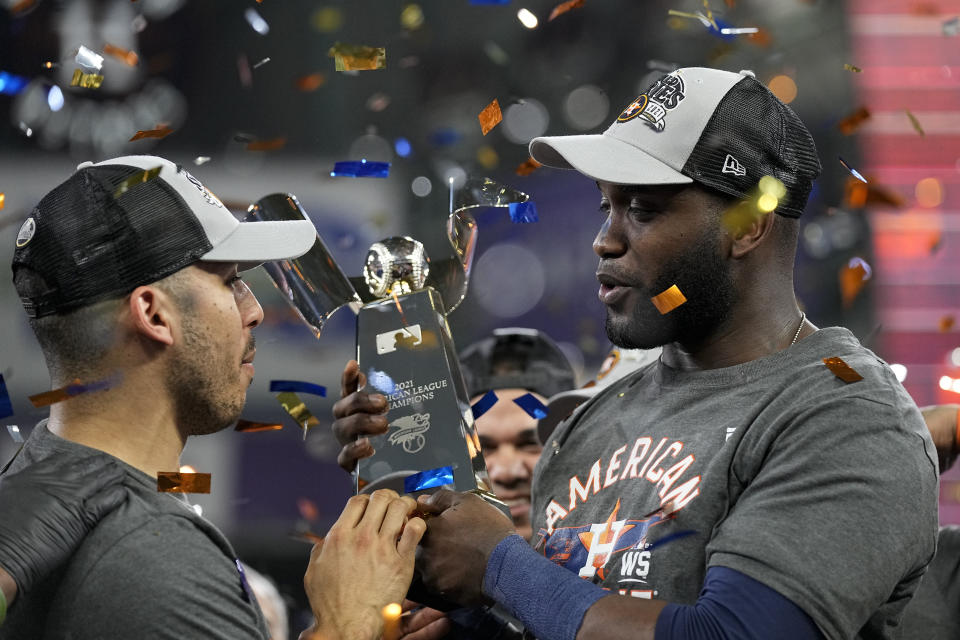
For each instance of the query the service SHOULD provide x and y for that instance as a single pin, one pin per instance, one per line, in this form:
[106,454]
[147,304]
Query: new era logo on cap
[732,165]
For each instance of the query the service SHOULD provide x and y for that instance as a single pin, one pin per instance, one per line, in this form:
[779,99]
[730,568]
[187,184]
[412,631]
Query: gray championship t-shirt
[151,569]
[823,490]
[934,612]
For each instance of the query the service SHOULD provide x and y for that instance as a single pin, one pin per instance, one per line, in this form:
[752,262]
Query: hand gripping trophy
[403,341]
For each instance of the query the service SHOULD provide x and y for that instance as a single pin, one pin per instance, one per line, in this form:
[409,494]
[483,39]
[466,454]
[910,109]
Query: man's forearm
[8,586]
[617,616]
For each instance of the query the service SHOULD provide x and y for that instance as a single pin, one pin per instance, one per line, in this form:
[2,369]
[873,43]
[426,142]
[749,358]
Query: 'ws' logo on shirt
[586,550]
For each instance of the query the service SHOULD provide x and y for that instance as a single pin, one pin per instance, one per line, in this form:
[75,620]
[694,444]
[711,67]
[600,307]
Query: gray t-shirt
[151,569]
[824,491]
[934,612]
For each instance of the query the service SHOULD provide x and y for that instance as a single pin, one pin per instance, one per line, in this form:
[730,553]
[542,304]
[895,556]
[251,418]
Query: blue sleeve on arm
[550,600]
[733,605]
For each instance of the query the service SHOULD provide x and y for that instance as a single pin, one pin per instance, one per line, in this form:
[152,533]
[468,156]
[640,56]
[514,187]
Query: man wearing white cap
[764,478]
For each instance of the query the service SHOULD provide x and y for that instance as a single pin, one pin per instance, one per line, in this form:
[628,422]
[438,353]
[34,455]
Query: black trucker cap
[130,221]
[721,129]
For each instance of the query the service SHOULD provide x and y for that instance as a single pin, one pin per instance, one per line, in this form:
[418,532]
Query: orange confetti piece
[858,195]
[668,300]
[311,82]
[267,145]
[73,389]
[936,240]
[761,38]
[176,482]
[852,122]
[308,509]
[946,323]
[22,6]
[853,276]
[129,58]
[161,131]
[3,200]
[563,7]
[527,167]
[842,370]
[248,426]
[490,117]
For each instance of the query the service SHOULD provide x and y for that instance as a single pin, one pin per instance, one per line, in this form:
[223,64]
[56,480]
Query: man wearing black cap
[128,272]
[764,478]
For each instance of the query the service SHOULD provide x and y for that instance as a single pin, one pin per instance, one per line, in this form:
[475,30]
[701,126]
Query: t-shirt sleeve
[165,580]
[826,520]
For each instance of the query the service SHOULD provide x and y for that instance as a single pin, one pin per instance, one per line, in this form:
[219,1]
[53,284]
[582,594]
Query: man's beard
[704,279]
[202,383]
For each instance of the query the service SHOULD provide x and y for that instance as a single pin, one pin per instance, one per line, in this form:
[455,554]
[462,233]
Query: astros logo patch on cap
[653,105]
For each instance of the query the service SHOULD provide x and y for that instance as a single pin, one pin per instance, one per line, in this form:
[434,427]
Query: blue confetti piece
[298,386]
[11,84]
[428,479]
[6,407]
[853,172]
[671,538]
[523,212]
[380,381]
[483,405]
[444,137]
[361,169]
[248,592]
[99,385]
[534,408]
[718,31]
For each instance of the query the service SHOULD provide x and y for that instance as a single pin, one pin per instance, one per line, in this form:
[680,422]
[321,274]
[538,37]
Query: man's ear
[152,314]
[749,234]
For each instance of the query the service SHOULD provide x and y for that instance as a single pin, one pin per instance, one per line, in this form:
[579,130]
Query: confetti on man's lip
[249,426]
[534,408]
[564,7]
[853,172]
[161,131]
[361,169]
[298,386]
[842,370]
[490,117]
[177,482]
[484,404]
[668,300]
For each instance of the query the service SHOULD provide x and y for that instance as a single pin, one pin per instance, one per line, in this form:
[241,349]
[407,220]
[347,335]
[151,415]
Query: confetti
[308,509]
[534,408]
[738,31]
[842,370]
[527,167]
[138,24]
[411,17]
[487,156]
[138,178]
[951,27]
[327,19]
[298,386]
[6,406]
[22,6]
[261,63]
[670,538]
[857,195]
[311,82]
[850,67]
[694,16]
[14,432]
[853,276]
[428,479]
[75,388]
[353,57]
[523,212]
[88,58]
[852,122]
[444,137]
[199,160]
[3,200]
[853,172]
[50,65]
[27,131]
[249,426]
[482,405]
[668,300]
[391,621]
[161,131]
[298,411]
[496,53]
[129,58]
[490,117]
[267,145]
[362,169]
[564,7]
[256,21]
[86,80]
[946,323]
[915,123]
[176,482]
[378,102]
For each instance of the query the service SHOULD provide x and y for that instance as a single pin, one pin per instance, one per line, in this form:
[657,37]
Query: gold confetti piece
[298,411]
[249,426]
[842,370]
[311,82]
[487,157]
[176,482]
[527,167]
[946,323]
[129,58]
[161,131]
[852,122]
[411,17]
[713,23]
[915,123]
[564,7]
[391,621]
[668,300]
[266,145]
[136,179]
[490,116]
[850,67]
[3,200]
[353,57]
[853,277]
[86,80]
[684,14]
